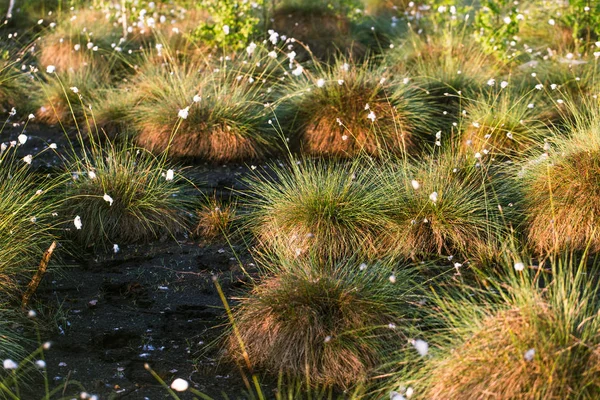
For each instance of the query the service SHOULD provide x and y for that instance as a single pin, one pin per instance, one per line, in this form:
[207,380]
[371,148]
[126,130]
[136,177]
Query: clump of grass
[68,95]
[123,194]
[449,65]
[559,81]
[85,38]
[14,87]
[560,186]
[444,205]
[347,109]
[25,220]
[326,29]
[503,123]
[228,121]
[330,326]
[533,336]
[331,210]
[216,219]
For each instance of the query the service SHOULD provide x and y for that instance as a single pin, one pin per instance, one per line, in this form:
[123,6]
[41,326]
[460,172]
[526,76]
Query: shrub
[332,211]
[229,120]
[444,206]
[345,109]
[536,337]
[329,326]
[559,186]
[503,123]
[123,194]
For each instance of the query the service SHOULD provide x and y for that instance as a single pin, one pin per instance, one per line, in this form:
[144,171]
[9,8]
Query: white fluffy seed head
[180,385]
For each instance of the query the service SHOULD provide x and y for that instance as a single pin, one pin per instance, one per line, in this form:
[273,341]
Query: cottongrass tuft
[328,325]
[143,204]
[533,335]
[347,109]
[560,187]
[332,210]
[453,212]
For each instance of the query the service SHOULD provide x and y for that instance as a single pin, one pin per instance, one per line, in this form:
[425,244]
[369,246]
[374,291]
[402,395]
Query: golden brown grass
[215,220]
[330,211]
[333,106]
[534,335]
[329,327]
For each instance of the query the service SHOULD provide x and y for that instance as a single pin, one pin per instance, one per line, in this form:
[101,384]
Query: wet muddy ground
[108,314]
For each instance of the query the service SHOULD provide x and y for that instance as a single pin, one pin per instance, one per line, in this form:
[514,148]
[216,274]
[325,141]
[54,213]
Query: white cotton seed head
[529,354]
[77,222]
[180,385]
[421,346]
[433,197]
[519,266]
[396,396]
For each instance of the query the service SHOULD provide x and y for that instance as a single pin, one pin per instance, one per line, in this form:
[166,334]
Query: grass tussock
[449,65]
[444,206]
[346,109]
[559,186]
[14,87]
[26,222]
[504,123]
[330,327]
[333,211]
[537,339]
[226,117]
[216,219]
[123,194]
[68,97]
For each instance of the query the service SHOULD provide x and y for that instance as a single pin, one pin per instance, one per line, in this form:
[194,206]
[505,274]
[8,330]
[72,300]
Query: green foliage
[232,23]
[329,324]
[329,211]
[123,194]
[497,24]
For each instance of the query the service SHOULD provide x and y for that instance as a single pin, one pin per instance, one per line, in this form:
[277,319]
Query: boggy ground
[154,303]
